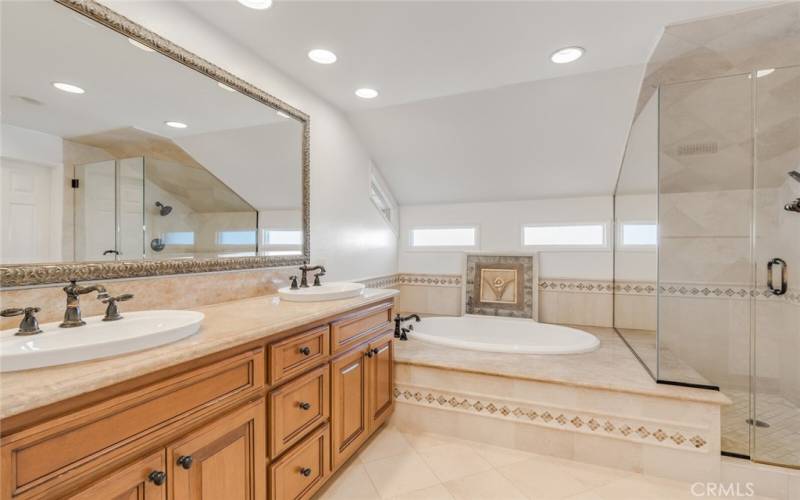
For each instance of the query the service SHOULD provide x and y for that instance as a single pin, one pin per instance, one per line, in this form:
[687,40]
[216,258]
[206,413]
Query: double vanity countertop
[226,325]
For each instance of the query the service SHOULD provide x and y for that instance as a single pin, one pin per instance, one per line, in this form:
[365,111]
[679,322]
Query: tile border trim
[640,431]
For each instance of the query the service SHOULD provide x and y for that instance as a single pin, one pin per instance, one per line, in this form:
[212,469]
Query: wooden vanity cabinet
[268,421]
[144,479]
[224,459]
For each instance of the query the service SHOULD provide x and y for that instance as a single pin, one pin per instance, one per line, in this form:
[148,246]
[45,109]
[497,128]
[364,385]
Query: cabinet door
[224,459]
[350,414]
[144,479]
[381,380]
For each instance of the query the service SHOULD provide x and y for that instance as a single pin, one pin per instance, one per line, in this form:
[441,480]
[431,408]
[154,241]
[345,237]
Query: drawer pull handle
[305,351]
[185,461]
[305,471]
[304,406]
[157,477]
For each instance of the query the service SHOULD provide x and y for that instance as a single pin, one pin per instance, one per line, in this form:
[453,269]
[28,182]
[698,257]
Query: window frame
[604,247]
[621,246]
[444,248]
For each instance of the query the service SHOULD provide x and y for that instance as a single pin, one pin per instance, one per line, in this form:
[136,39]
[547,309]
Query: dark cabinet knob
[375,351]
[304,406]
[369,353]
[185,461]
[305,351]
[157,477]
[305,471]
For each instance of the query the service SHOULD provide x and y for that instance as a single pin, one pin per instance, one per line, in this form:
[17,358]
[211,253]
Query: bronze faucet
[304,278]
[72,315]
[29,324]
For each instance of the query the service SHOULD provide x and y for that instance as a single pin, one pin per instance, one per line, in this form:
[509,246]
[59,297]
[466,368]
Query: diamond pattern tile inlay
[575,421]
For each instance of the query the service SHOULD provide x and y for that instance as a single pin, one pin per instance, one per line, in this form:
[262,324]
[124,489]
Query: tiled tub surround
[600,407]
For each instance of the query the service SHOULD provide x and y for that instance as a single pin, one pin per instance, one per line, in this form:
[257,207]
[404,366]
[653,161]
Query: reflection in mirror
[635,254]
[138,157]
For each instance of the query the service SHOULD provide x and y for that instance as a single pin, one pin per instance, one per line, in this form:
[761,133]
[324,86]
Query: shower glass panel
[130,208]
[776,370]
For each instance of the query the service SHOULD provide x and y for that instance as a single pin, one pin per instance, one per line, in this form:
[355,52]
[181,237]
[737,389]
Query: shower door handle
[770,286]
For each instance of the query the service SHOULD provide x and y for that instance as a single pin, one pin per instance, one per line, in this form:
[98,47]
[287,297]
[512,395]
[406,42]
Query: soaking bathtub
[510,335]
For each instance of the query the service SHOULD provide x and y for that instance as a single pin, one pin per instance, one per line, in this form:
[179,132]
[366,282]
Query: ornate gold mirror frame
[39,274]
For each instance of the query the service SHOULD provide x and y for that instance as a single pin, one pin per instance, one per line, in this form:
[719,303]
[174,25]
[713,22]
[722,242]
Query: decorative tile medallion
[501,285]
[651,431]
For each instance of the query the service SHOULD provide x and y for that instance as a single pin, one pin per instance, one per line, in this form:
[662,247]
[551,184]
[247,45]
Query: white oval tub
[512,335]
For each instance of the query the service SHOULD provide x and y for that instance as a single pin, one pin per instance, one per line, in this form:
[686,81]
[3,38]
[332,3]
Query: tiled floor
[397,465]
[778,443]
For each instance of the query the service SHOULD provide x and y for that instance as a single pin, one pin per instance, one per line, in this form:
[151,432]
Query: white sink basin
[97,339]
[328,291]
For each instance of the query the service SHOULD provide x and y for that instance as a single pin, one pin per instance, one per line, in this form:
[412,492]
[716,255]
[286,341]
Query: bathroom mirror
[636,242]
[124,155]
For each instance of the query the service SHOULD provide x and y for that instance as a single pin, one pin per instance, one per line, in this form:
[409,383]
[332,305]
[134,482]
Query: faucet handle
[317,276]
[29,324]
[293,280]
[112,312]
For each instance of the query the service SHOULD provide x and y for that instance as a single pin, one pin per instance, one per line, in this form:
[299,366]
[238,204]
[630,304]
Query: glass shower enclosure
[713,300]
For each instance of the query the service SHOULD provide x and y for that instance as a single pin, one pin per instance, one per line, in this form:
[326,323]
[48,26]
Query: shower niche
[142,208]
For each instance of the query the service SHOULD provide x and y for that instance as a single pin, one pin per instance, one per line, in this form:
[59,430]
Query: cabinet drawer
[303,469]
[360,326]
[297,354]
[296,408]
[133,481]
[80,442]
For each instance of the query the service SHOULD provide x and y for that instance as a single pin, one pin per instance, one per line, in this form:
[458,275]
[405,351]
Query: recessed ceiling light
[140,45]
[257,4]
[175,124]
[28,100]
[225,87]
[367,93]
[322,56]
[68,87]
[764,72]
[567,55]
[283,115]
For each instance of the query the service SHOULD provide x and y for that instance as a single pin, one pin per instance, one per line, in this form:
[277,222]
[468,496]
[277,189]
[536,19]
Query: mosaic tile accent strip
[575,286]
[449,280]
[650,432]
[389,281]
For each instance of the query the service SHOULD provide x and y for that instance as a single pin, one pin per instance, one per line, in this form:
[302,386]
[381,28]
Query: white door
[25,212]
[130,202]
[95,211]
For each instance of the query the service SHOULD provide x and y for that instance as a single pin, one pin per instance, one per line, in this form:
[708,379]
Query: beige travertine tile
[437,492]
[388,443]
[400,474]
[452,461]
[488,485]
[498,456]
[541,478]
[353,483]
[424,440]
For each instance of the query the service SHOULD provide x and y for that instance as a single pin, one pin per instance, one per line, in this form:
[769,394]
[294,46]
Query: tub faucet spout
[400,332]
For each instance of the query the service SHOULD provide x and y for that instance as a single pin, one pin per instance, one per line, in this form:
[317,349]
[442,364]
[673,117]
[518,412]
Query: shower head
[164,210]
[794,174]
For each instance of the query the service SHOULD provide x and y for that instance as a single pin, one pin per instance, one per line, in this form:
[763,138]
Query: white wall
[500,229]
[348,235]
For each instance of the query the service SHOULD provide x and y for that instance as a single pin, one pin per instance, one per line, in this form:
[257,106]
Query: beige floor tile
[586,495]
[641,487]
[591,475]
[489,485]
[424,440]
[438,492]
[499,456]
[400,474]
[352,484]
[538,478]
[452,461]
[388,443]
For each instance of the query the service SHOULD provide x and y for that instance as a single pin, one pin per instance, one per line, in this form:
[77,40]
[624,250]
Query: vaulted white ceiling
[470,107]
